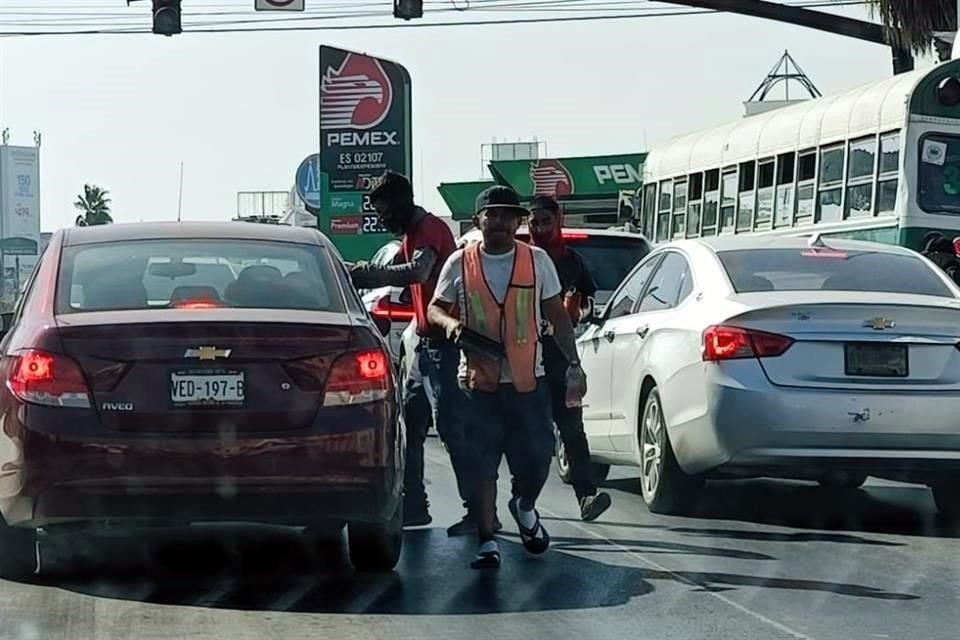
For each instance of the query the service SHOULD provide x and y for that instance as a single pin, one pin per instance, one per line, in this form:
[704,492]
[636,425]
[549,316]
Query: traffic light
[407,9]
[166,17]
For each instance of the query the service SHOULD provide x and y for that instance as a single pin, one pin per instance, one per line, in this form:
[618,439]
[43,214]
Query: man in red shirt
[427,243]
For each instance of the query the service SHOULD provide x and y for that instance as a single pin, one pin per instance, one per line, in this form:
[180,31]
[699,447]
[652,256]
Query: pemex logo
[358,95]
[550,178]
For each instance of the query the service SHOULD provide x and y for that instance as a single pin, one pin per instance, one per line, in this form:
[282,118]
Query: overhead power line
[321,15]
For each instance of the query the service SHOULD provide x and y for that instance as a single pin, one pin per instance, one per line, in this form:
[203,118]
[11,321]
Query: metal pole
[180,197]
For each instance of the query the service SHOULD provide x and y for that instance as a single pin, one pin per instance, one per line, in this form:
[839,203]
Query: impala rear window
[753,270]
[196,274]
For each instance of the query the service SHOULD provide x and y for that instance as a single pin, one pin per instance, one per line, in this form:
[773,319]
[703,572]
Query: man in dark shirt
[579,288]
[427,243]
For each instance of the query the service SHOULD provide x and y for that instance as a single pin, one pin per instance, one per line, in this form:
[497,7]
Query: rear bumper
[171,505]
[751,424]
[165,479]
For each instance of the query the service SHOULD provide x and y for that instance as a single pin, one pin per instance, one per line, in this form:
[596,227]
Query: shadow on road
[252,570]
[277,572]
[900,510]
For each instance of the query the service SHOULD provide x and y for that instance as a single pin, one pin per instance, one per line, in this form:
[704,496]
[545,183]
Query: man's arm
[586,285]
[440,314]
[555,313]
[416,271]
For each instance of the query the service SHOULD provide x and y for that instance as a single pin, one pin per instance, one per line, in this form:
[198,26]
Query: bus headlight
[948,91]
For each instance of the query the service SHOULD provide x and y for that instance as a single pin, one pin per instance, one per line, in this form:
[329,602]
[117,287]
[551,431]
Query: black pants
[433,394]
[569,420]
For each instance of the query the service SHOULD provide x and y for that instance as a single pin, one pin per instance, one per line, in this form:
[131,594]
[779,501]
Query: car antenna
[816,240]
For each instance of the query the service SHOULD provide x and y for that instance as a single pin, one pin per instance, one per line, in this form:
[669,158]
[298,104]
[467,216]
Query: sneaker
[592,507]
[468,526]
[416,515]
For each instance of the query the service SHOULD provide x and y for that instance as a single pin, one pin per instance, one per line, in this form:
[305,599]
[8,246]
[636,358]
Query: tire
[376,546]
[666,489]
[947,499]
[17,551]
[843,480]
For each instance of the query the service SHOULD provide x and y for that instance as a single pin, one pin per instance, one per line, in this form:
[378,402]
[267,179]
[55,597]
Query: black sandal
[486,560]
[535,540]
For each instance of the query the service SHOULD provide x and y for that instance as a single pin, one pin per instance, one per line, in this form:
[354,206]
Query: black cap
[393,187]
[546,203]
[500,196]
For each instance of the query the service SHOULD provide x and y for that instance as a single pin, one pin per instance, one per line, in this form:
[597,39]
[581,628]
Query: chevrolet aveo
[169,374]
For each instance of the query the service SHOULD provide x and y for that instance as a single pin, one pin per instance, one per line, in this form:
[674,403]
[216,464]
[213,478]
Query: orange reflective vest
[513,323]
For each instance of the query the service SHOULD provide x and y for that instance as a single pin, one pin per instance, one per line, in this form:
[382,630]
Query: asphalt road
[762,560]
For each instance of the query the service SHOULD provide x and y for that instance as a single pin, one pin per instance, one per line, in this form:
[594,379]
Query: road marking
[652,563]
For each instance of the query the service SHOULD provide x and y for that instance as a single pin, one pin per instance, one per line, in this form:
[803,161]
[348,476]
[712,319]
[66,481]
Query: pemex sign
[365,129]
[586,176]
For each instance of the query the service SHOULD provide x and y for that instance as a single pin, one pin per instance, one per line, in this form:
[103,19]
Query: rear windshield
[609,259]
[152,274]
[753,270]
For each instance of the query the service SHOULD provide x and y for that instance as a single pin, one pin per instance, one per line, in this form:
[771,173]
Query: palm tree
[95,206]
[912,23]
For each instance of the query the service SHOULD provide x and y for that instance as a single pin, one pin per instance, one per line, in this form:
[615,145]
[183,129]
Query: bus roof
[864,110]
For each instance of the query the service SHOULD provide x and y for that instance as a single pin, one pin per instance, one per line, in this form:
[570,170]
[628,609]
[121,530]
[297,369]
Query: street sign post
[365,130]
[279,5]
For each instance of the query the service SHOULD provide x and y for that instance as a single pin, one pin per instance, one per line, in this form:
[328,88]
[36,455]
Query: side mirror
[594,316]
[6,322]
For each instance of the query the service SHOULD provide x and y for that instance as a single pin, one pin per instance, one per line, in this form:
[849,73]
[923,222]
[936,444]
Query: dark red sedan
[167,374]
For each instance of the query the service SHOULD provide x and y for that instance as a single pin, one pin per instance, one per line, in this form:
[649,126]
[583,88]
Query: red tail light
[728,343]
[197,303]
[49,379]
[574,235]
[358,377]
[392,311]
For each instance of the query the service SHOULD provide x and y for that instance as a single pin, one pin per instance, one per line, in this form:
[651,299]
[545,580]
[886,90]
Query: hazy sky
[241,109]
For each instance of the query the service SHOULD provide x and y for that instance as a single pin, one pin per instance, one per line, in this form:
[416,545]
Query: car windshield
[938,178]
[753,270]
[196,274]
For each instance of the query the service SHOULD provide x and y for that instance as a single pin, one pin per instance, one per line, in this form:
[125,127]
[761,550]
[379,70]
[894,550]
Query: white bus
[880,162]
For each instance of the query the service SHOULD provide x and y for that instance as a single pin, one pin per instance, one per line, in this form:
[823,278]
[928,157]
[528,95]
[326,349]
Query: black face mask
[397,218]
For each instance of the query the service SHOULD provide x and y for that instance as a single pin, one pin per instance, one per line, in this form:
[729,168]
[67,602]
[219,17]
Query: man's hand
[453,330]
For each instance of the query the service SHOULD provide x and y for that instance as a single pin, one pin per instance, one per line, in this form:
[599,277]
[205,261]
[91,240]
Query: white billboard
[20,200]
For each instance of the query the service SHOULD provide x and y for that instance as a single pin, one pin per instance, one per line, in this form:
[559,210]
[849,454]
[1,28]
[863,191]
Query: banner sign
[365,129]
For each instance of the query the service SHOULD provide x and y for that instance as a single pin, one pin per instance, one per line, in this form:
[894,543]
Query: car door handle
[610,335]
[643,331]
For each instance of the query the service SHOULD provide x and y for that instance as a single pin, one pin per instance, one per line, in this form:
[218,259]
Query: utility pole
[180,197]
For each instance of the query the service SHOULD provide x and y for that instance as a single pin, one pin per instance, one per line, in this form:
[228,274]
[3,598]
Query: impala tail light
[722,342]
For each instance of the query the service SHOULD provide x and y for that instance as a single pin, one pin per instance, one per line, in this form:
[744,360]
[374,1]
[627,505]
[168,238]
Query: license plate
[200,388]
[876,360]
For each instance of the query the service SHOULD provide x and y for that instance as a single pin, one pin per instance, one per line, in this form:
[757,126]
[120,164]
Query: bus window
[663,217]
[786,176]
[649,214]
[728,200]
[711,202]
[679,209]
[765,176]
[830,194]
[860,172]
[696,205]
[748,196]
[805,188]
[939,175]
[887,179]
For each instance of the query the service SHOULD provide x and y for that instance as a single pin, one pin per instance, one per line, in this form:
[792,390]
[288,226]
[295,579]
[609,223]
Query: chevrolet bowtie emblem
[879,324]
[207,353]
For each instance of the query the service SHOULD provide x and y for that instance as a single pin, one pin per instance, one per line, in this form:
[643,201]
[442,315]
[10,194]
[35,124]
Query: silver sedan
[784,357]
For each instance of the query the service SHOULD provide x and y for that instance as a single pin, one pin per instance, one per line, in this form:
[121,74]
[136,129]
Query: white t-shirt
[497,270]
